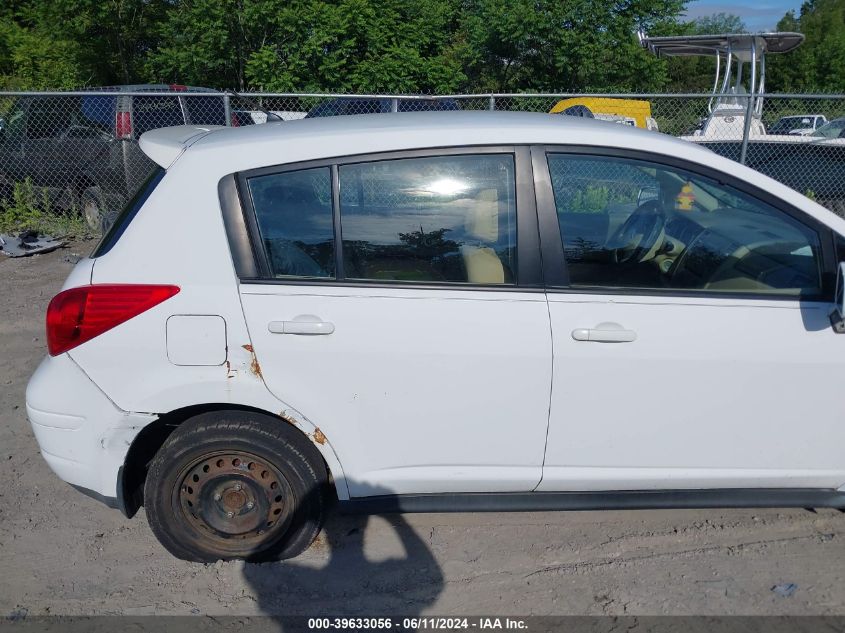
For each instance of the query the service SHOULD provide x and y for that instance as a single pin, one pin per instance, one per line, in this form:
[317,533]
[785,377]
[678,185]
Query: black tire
[201,482]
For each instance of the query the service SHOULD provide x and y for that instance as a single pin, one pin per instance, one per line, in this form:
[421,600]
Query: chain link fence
[76,153]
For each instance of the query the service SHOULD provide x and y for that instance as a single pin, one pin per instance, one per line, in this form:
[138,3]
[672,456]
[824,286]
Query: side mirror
[837,317]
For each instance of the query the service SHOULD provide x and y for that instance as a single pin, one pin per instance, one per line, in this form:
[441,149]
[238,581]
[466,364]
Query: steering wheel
[638,235]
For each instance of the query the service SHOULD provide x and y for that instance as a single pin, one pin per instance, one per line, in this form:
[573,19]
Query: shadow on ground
[360,578]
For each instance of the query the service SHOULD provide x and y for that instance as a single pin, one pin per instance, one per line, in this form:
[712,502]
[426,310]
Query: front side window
[629,223]
[437,219]
[293,210]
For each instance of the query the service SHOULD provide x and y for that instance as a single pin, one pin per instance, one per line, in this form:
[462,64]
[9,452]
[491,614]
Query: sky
[762,15]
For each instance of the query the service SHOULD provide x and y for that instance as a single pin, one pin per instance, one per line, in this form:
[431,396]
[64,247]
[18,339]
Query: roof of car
[309,139]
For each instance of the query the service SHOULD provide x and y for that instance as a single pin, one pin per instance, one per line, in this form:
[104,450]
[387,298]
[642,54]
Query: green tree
[302,45]
[335,45]
[696,74]
[32,58]
[818,65]
[110,37]
[567,45]
[361,46]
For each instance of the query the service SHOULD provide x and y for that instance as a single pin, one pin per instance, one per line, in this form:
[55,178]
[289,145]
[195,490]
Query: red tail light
[178,87]
[233,120]
[79,314]
[123,125]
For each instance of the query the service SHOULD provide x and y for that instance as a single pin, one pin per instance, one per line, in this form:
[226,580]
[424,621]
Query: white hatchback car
[442,312]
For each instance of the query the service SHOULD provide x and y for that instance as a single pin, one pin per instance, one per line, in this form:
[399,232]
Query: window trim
[555,269]
[528,255]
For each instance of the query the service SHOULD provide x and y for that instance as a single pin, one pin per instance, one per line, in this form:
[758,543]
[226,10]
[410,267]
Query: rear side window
[437,219]
[294,214]
[130,210]
[150,113]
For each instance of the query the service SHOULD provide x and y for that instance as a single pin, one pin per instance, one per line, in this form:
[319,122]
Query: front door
[418,341]
[692,343]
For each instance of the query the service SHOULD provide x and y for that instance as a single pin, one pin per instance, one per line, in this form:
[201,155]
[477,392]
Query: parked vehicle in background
[365,105]
[834,129]
[262,116]
[441,312]
[83,150]
[633,112]
[800,125]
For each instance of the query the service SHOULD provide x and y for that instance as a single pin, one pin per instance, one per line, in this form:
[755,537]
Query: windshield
[792,123]
[831,130]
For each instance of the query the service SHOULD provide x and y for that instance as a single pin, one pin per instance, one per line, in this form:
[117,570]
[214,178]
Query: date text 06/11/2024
[417,623]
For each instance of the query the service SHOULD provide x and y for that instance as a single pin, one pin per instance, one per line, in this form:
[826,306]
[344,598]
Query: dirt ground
[64,554]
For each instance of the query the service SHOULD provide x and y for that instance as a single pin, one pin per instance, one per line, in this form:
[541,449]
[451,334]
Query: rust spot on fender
[288,419]
[319,437]
[254,367]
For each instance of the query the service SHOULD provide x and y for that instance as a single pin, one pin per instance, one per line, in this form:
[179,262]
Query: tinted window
[150,113]
[834,129]
[440,219]
[205,110]
[630,223]
[294,213]
[49,118]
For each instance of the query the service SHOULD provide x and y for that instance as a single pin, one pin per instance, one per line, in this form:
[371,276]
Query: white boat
[733,124]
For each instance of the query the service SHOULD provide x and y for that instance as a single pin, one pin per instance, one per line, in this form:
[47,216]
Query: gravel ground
[64,554]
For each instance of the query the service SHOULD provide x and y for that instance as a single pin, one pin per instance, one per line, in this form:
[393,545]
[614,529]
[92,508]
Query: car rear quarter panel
[178,238]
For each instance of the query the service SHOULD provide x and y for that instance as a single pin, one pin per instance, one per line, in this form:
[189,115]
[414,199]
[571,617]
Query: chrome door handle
[304,324]
[605,333]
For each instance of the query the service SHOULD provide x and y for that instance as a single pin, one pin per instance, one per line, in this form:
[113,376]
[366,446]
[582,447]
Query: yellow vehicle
[633,112]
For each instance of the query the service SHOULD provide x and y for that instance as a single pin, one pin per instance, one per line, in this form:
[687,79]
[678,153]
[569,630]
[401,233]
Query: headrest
[482,220]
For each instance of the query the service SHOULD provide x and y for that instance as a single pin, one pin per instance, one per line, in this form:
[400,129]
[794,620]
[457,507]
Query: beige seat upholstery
[482,264]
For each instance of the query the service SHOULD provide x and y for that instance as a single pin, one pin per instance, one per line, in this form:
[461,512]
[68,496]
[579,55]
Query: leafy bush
[30,208]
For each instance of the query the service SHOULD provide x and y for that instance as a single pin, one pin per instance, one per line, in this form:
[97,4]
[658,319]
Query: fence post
[491,103]
[394,105]
[227,108]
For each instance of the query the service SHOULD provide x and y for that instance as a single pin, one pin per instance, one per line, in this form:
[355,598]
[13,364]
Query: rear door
[400,309]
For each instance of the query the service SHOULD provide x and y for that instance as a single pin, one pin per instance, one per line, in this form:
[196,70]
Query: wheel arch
[150,439]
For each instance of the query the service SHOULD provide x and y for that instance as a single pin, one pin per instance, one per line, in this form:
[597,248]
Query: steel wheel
[237,497]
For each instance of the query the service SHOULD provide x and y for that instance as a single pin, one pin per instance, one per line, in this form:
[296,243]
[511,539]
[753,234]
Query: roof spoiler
[164,145]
